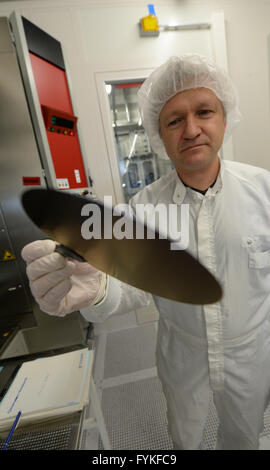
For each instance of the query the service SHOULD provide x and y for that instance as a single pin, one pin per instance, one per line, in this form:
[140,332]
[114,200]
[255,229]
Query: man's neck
[200,179]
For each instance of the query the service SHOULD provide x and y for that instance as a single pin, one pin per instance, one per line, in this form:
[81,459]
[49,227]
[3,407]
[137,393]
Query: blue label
[151,10]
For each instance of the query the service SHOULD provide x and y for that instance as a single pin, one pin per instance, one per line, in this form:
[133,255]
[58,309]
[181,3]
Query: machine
[40,148]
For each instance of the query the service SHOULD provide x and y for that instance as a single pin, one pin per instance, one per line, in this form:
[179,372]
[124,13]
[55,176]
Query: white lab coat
[223,347]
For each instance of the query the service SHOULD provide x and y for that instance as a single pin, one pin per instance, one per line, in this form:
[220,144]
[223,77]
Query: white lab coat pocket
[259,260]
[258,248]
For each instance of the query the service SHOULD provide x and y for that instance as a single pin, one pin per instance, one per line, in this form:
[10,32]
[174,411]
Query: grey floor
[132,400]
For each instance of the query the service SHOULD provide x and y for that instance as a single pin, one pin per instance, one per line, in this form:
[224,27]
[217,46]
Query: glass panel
[138,164]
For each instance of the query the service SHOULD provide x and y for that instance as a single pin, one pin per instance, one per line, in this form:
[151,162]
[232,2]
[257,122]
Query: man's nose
[191,128]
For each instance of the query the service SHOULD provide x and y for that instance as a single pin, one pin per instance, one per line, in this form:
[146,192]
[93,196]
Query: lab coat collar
[181,190]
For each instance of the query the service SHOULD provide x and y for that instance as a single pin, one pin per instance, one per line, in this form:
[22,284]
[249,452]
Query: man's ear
[225,123]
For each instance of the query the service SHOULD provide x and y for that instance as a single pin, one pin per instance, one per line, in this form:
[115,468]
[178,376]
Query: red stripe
[128,85]
[31,180]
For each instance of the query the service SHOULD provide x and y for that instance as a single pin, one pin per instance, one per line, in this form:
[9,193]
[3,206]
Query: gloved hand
[61,285]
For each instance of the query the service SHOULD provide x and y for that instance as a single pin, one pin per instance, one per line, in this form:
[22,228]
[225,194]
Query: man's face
[192,127]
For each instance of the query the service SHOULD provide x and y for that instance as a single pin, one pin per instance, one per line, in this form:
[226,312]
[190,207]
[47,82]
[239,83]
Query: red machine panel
[51,84]
[60,123]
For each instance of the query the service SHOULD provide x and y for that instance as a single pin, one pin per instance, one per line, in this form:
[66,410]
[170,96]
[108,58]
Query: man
[188,104]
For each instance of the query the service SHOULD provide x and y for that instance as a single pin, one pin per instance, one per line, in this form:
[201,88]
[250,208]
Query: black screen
[57,121]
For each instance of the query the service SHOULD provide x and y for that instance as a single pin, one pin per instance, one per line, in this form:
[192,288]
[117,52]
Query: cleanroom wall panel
[115,33]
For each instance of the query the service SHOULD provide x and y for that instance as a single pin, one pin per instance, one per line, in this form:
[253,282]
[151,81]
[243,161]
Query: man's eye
[205,112]
[174,122]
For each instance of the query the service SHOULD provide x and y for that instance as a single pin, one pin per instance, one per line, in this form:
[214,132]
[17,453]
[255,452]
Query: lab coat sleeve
[120,298]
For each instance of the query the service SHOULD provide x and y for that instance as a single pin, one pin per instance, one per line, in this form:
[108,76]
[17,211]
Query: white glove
[61,285]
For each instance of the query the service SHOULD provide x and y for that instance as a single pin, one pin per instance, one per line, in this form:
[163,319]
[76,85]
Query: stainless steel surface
[13,298]
[183,27]
[148,264]
[56,434]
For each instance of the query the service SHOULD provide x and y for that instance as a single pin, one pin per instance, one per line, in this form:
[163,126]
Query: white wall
[101,37]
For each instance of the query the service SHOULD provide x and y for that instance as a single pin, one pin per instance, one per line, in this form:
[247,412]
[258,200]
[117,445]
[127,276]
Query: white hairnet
[178,74]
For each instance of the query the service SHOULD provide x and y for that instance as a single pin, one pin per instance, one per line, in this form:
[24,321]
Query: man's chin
[196,162]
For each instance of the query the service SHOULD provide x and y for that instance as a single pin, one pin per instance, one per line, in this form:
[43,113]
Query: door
[138,165]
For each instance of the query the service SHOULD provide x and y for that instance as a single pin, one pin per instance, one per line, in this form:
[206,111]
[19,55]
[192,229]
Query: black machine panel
[42,44]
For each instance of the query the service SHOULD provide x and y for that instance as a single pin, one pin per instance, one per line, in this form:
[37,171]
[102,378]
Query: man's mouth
[193,147]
